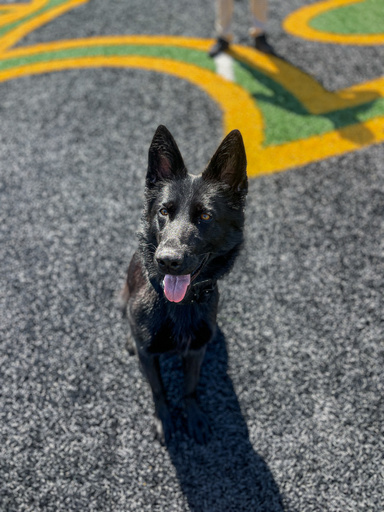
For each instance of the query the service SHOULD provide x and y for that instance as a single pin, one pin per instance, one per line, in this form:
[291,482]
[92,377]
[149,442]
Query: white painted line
[224,66]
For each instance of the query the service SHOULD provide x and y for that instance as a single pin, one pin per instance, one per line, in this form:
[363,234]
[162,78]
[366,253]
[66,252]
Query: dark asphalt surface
[293,386]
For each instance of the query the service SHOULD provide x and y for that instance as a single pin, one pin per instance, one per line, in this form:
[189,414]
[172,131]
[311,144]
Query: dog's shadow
[226,474]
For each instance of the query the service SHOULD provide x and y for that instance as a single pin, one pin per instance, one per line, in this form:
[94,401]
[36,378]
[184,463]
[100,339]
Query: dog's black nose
[169,261]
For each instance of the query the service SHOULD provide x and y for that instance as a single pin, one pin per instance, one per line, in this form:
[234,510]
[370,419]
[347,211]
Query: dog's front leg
[163,421]
[198,425]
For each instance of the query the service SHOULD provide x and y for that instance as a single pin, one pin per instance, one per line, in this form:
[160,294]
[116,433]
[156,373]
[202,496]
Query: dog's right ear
[164,158]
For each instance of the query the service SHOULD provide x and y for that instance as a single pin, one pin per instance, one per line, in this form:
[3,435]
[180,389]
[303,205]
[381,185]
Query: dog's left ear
[229,163]
[164,158]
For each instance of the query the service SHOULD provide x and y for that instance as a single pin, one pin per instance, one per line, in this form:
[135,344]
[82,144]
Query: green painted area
[285,118]
[11,26]
[186,55]
[363,18]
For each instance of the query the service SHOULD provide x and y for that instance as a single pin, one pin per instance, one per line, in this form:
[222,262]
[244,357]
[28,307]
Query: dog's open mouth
[175,287]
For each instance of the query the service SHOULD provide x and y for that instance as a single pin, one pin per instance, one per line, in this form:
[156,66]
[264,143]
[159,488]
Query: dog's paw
[164,428]
[198,424]
[131,346]
[121,300]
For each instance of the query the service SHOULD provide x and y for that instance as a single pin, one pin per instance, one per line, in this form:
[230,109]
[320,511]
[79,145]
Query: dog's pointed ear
[164,158]
[229,163]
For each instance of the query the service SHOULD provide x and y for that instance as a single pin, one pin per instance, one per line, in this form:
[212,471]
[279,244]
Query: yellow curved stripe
[306,89]
[15,35]
[239,109]
[18,11]
[334,143]
[297,24]
[179,41]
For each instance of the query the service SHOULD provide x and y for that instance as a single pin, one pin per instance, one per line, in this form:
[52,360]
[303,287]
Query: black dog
[192,231]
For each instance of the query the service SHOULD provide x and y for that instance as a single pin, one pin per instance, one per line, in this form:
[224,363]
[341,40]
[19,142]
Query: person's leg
[259,12]
[224,12]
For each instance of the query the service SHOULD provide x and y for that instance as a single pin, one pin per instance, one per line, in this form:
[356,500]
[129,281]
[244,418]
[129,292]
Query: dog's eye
[205,216]
[164,212]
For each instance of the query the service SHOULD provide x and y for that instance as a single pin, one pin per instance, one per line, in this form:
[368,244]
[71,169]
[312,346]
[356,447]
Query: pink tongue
[175,287]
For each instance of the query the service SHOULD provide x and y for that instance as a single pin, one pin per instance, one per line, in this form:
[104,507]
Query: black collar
[201,290]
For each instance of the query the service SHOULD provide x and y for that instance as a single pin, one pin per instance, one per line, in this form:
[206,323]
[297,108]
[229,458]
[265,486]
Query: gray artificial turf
[293,386]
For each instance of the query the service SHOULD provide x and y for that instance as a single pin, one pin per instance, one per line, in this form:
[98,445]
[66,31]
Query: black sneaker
[220,46]
[262,45]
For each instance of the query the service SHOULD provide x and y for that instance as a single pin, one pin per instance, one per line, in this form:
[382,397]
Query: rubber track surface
[293,386]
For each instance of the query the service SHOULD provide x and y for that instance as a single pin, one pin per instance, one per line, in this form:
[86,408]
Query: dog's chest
[180,330]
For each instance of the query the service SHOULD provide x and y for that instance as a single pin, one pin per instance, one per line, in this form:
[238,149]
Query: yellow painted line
[181,42]
[376,87]
[18,11]
[297,24]
[306,89]
[334,143]
[239,109]
[21,31]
